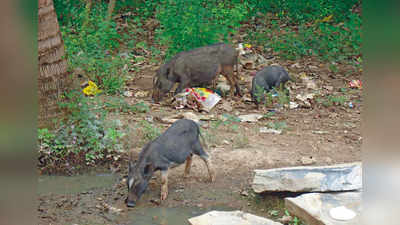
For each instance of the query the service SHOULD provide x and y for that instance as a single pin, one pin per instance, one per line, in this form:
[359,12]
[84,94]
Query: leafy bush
[85,137]
[304,11]
[119,104]
[148,131]
[90,42]
[330,42]
[324,28]
[187,24]
[145,8]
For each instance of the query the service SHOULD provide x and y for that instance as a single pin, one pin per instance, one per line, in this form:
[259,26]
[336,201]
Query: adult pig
[197,67]
[266,79]
[175,146]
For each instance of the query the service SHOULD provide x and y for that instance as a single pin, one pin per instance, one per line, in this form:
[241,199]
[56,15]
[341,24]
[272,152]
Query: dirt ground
[319,135]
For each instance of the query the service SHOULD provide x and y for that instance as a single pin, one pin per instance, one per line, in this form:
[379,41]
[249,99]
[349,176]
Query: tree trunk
[53,76]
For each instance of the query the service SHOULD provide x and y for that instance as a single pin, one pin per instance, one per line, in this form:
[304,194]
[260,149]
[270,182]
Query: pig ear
[168,74]
[155,80]
[131,165]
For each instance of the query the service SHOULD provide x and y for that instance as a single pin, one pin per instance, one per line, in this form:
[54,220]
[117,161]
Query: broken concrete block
[342,177]
[230,218]
[326,208]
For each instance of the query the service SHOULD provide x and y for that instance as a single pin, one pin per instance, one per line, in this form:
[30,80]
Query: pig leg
[235,79]
[164,184]
[182,85]
[231,91]
[188,166]
[207,161]
[198,150]
[230,76]
[214,83]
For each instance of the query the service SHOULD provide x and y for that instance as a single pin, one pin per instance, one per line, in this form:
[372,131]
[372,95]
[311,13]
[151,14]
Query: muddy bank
[98,198]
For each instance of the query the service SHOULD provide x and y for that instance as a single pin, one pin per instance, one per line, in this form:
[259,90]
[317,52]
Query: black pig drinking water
[175,146]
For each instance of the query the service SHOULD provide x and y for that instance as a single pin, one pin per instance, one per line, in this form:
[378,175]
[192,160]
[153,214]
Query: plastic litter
[197,99]
[90,88]
[355,84]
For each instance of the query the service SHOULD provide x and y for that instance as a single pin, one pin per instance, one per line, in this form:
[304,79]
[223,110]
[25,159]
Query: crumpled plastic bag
[91,88]
[197,99]
[355,84]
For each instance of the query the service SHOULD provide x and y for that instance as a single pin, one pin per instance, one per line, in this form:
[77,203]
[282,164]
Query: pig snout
[130,203]
[131,199]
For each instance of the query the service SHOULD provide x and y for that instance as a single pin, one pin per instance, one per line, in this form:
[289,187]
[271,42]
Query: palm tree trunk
[53,76]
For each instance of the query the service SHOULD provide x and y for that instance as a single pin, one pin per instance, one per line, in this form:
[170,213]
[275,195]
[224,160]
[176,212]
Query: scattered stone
[341,177]
[128,93]
[329,88]
[112,208]
[305,99]
[307,160]
[155,201]
[141,94]
[226,142]
[247,99]
[124,55]
[311,67]
[168,120]
[310,84]
[191,116]
[231,218]
[227,106]
[208,117]
[149,118]
[319,132]
[250,117]
[261,60]
[326,208]
[223,86]
[293,105]
[285,219]
[296,65]
[269,130]
[244,193]
[185,115]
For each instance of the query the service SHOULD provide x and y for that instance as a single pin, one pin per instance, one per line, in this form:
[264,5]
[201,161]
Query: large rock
[230,218]
[326,209]
[343,177]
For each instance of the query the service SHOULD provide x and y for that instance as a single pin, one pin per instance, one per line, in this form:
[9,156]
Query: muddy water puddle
[167,216]
[74,184]
[98,198]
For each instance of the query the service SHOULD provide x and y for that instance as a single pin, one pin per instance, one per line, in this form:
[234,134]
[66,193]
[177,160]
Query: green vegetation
[277,125]
[105,47]
[295,220]
[333,100]
[186,24]
[91,42]
[322,28]
[276,95]
[85,137]
[150,132]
